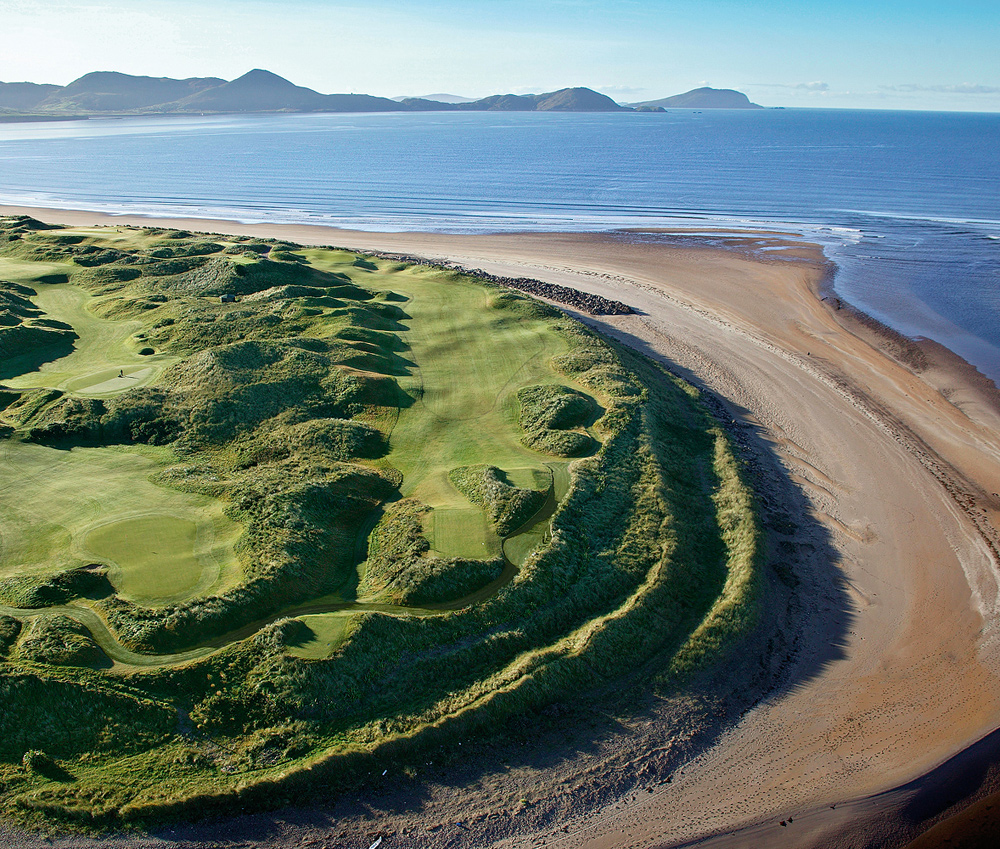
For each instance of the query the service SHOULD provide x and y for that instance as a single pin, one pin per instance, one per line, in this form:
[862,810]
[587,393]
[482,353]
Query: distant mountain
[113,93]
[262,91]
[109,91]
[577,100]
[255,91]
[23,97]
[437,98]
[564,100]
[704,98]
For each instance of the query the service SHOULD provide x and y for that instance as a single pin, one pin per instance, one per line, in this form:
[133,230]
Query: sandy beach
[877,461]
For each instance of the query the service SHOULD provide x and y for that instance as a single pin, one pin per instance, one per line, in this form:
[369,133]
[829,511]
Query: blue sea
[906,203]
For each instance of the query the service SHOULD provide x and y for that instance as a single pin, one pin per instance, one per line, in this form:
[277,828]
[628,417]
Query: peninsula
[874,490]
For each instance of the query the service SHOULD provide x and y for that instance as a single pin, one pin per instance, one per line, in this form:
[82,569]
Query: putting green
[463,532]
[154,556]
[329,631]
[60,509]
[111,381]
[532,477]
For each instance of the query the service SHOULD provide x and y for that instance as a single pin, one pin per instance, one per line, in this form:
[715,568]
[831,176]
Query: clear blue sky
[871,54]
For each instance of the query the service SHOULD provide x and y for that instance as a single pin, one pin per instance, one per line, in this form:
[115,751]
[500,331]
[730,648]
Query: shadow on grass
[628,735]
[41,764]
[33,360]
[802,564]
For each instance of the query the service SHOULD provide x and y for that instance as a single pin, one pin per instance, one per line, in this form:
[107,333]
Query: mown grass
[65,509]
[159,553]
[347,444]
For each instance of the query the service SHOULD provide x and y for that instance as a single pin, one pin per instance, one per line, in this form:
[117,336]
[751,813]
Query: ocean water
[906,203]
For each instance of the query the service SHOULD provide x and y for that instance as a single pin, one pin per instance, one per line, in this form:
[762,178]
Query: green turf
[104,348]
[67,508]
[533,477]
[326,633]
[155,557]
[108,382]
[294,588]
[463,532]
[469,361]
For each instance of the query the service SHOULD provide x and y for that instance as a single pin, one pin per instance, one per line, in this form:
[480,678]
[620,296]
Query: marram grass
[254,545]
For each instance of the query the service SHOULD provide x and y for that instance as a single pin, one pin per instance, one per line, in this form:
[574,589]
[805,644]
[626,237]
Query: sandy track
[897,664]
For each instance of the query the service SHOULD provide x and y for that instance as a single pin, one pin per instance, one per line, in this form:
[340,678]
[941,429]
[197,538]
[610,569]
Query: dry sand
[890,657]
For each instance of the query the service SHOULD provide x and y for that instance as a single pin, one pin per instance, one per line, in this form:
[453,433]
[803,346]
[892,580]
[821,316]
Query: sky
[877,54]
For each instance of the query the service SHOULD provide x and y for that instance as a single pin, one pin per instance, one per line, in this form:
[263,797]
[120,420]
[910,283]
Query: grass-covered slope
[27,337]
[507,506]
[250,545]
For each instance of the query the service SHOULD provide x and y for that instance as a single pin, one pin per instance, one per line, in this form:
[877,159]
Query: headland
[877,465]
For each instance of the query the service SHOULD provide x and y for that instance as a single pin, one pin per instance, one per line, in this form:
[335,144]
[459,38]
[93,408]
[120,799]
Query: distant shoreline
[111,93]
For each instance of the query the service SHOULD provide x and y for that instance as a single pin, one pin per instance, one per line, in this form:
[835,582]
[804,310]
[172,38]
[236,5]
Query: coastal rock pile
[592,304]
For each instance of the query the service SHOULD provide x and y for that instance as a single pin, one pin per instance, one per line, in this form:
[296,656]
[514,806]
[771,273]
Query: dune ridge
[890,659]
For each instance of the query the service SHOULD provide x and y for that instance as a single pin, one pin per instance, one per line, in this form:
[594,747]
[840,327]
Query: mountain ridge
[112,93]
[701,98]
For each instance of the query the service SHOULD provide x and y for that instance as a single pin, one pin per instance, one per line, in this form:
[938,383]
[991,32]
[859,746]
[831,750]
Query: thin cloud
[961,88]
[813,86]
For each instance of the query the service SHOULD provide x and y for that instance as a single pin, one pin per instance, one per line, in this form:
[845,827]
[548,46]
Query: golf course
[273,518]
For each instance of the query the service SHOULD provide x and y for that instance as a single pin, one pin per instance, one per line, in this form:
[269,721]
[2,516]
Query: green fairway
[29,271]
[62,509]
[469,363]
[103,350]
[254,545]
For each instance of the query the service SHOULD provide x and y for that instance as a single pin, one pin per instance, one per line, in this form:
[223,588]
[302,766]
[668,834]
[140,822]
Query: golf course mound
[349,509]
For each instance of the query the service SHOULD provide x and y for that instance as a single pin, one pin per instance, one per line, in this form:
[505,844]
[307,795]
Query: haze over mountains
[442,97]
[113,93]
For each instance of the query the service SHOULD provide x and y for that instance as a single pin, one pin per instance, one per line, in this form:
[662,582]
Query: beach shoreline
[891,444]
[920,353]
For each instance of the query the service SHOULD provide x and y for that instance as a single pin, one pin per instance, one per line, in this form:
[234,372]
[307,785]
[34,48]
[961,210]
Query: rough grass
[281,504]
[9,630]
[62,641]
[508,507]
[553,418]
[31,591]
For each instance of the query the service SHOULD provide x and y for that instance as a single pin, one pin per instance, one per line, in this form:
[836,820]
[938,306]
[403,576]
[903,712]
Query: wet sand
[888,547]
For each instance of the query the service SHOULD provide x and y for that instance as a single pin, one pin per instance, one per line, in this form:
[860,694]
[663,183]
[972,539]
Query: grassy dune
[367,508]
